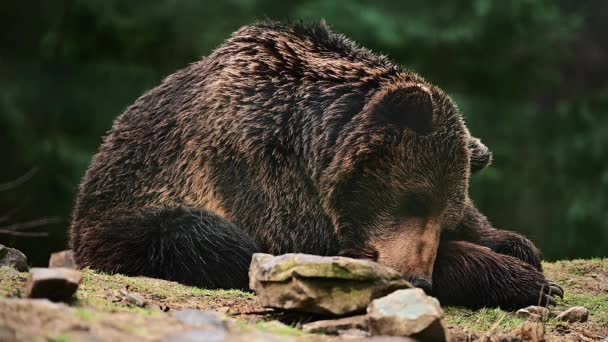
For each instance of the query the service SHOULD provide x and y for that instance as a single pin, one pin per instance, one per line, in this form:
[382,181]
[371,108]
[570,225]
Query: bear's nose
[423,284]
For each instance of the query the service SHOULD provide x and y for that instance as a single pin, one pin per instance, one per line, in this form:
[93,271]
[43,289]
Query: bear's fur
[292,139]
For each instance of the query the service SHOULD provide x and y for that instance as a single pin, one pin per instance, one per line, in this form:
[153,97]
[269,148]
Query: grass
[573,276]
[582,281]
[481,320]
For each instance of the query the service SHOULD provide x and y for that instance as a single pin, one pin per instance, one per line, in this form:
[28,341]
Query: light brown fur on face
[412,248]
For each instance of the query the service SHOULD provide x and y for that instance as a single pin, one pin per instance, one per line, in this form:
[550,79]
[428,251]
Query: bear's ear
[481,157]
[407,106]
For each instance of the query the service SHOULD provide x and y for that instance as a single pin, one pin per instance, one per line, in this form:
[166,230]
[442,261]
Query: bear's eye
[414,206]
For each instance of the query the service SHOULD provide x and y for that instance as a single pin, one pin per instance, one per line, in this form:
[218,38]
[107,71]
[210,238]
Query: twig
[540,296]
[22,179]
[14,229]
[31,224]
[24,234]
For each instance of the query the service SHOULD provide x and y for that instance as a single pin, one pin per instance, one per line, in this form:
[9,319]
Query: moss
[12,282]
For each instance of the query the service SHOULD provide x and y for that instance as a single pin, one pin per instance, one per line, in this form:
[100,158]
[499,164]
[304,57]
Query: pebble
[574,314]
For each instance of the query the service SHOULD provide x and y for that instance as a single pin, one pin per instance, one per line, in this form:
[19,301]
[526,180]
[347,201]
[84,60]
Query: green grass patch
[481,320]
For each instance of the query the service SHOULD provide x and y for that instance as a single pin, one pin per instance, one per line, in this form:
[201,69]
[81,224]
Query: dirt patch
[587,277]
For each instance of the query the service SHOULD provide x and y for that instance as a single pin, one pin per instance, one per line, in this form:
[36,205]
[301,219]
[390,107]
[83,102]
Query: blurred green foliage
[530,76]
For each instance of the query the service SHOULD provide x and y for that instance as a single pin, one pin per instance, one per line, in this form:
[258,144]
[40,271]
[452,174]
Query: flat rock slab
[13,258]
[323,285]
[56,284]
[409,313]
[337,326]
[63,259]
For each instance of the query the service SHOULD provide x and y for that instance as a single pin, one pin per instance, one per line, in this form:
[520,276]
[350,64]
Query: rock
[408,313]
[135,299]
[525,314]
[574,314]
[354,334]
[209,326]
[56,284]
[323,285]
[7,334]
[337,326]
[539,310]
[62,259]
[196,318]
[197,335]
[13,258]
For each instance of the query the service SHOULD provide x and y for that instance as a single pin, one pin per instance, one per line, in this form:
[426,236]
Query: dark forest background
[531,77]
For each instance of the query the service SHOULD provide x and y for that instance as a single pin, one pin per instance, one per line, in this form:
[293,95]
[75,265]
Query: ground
[101,309]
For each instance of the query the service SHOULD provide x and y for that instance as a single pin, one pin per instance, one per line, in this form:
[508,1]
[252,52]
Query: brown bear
[289,138]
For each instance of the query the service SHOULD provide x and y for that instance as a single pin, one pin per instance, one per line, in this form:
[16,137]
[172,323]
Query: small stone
[196,318]
[62,259]
[56,284]
[323,285]
[13,258]
[574,314]
[135,299]
[409,313]
[525,314]
[539,310]
[336,326]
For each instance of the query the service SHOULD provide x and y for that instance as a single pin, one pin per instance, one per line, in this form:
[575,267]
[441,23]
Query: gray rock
[409,313]
[62,259]
[196,318]
[197,336]
[209,327]
[337,326]
[574,314]
[13,258]
[353,334]
[56,284]
[324,285]
[135,299]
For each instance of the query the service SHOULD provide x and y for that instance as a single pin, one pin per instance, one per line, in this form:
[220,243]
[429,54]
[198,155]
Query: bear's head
[399,177]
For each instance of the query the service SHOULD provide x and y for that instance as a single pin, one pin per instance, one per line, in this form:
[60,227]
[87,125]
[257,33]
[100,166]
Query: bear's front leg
[476,228]
[474,276]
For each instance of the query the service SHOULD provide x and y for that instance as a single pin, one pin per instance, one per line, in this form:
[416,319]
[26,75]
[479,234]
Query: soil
[104,309]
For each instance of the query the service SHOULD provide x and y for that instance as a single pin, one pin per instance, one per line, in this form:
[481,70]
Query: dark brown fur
[290,138]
